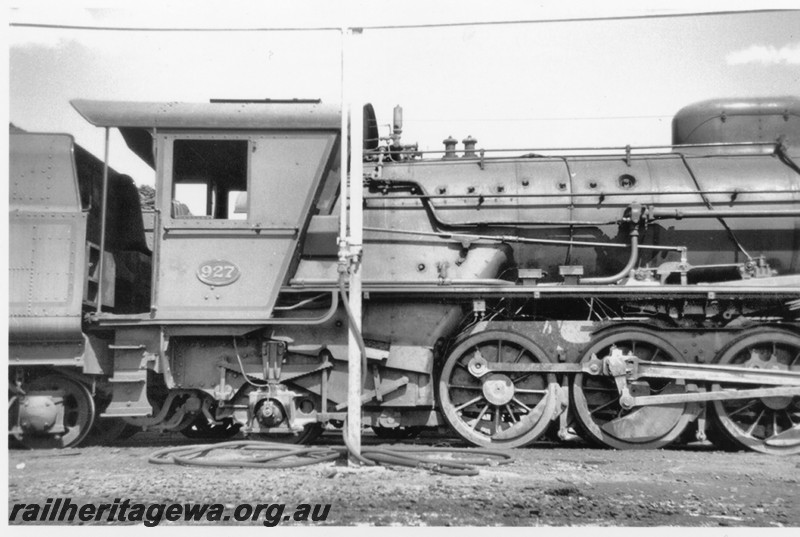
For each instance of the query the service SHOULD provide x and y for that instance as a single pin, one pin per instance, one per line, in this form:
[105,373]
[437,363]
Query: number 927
[218,272]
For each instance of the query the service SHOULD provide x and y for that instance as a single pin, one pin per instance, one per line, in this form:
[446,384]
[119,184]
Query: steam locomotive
[635,295]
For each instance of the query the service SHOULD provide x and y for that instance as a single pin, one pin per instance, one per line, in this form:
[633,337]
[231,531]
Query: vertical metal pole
[103,211]
[354,242]
[157,219]
[343,149]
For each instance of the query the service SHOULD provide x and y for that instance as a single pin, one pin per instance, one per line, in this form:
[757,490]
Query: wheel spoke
[480,415]
[511,414]
[521,404]
[599,389]
[748,405]
[755,423]
[522,351]
[601,407]
[470,402]
[496,419]
[522,377]
[460,387]
[499,350]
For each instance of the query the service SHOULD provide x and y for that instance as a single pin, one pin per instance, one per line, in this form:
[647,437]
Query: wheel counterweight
[496,410]
[596,400]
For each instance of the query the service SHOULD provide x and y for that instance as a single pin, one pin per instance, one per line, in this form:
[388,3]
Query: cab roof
[216,115]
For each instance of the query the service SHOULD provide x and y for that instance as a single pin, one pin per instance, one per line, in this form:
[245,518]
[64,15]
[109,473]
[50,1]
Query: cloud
[766,55]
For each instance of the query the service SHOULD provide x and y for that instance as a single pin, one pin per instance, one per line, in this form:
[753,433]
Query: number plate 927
[218,272]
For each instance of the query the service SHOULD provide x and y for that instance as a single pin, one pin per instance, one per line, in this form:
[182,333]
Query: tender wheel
[596,400]
[496,409]
[771,424]
[37,423]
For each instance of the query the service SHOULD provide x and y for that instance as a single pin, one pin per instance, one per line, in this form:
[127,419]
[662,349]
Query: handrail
[731,192]
[623,149]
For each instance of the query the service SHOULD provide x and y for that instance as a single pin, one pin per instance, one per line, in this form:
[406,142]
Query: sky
[551,84]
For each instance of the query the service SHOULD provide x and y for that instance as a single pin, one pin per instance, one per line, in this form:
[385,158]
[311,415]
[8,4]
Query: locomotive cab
[236,184]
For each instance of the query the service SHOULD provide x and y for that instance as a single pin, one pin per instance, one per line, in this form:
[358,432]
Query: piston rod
[721,395]
[636,369]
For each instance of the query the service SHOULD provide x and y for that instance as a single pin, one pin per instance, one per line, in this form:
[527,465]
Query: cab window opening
[210,179]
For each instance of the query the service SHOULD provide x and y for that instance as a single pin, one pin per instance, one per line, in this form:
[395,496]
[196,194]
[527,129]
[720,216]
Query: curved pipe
[625,271]
[299,304]
[314,320]
[495,238]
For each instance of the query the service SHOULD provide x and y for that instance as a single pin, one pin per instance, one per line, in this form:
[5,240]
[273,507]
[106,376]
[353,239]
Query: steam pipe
[625,271]
[511,238]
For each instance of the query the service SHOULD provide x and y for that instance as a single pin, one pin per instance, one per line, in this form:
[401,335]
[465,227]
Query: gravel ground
[545,485]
